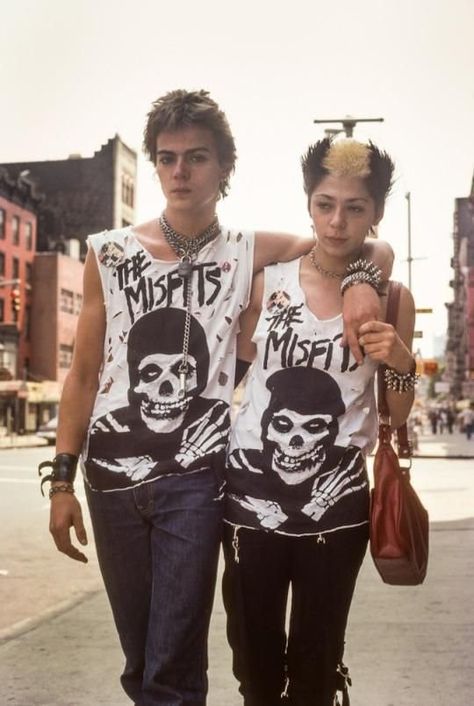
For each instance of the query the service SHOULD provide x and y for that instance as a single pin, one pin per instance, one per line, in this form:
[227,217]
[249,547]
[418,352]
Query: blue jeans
[158,547]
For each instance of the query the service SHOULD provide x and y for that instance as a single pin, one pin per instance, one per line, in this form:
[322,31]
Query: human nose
[180,168]
[338,218]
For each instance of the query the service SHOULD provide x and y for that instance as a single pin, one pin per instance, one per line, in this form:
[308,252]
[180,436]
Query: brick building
[19,201]
[57,283]
[83,195]
[460,343]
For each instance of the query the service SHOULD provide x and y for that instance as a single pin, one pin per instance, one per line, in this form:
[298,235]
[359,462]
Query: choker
[187,248]
[320,268]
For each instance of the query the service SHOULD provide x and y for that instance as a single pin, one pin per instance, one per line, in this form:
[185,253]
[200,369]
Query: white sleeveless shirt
[308,417]
[141,427]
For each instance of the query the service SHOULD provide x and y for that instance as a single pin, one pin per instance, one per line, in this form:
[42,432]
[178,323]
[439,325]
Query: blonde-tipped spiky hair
[348,158]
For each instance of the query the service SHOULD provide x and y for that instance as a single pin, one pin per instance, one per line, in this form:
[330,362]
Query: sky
[72,74]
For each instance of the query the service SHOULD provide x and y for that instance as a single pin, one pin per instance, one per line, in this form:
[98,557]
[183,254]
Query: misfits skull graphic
[300,422]
[155,355]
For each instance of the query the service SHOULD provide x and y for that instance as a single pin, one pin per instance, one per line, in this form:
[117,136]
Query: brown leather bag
[399,525]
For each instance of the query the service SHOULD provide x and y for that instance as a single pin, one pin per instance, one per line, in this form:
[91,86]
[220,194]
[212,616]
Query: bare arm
[75,408]
[392,346]
[246,348]
[278,247]
[361,303]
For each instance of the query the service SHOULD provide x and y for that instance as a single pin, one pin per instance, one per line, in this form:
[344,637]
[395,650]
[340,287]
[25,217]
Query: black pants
[260,567]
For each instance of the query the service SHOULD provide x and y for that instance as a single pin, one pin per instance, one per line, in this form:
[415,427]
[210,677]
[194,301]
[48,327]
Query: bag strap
[393,301]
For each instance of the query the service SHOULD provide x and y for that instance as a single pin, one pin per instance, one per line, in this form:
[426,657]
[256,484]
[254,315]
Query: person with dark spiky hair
[297,492]
[146,402]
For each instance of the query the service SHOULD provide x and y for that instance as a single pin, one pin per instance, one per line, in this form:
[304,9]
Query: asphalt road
[405,645]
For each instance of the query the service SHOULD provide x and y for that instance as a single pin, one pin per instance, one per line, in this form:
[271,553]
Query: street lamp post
[348,124]
[409,258]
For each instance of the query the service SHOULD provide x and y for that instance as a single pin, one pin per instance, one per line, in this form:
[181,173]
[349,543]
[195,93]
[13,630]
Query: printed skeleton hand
[268,512]
[135,467]
[329,489]
[203,436]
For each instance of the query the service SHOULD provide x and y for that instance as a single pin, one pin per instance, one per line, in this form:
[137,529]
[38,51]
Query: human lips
[181,190]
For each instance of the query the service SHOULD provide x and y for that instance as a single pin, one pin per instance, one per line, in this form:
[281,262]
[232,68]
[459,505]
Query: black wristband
[64,469]
[241,367]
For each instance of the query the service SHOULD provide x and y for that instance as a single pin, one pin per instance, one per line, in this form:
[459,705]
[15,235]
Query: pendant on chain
[185,267]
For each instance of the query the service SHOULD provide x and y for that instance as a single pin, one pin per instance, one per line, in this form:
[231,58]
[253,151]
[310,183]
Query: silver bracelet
[362,271]
[400,382]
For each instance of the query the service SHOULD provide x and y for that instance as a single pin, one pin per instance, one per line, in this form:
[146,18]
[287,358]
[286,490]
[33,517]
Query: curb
[29,624]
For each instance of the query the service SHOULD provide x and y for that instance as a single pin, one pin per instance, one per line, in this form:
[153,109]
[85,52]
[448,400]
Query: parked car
[48,431]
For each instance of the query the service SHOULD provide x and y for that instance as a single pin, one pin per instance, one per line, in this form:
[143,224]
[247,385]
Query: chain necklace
[187,249]
[320,268]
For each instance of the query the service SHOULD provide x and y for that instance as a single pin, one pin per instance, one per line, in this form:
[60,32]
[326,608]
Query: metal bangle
[400,382]
[65,488]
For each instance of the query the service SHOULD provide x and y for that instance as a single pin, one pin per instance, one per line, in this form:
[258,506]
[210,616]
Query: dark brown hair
[378,182]
[179,109]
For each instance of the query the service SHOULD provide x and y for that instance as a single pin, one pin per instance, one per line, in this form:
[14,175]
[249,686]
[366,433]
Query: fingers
[66,512]
[353,343]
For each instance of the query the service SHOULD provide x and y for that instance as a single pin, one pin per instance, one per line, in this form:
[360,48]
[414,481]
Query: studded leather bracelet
[64,469]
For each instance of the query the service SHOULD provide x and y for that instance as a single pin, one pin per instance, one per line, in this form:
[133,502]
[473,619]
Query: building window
[65,356]
[16,268]
[127,190]
[66,301]
[28,273]
[29,235]
[2,309]
[78,303]
[2,224]
[15,230]
[2,264]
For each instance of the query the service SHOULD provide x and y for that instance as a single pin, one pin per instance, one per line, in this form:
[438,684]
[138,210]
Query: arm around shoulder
[278,247]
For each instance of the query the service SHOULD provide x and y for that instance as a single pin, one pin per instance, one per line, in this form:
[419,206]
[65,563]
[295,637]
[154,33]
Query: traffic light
[15,299]
[430,367]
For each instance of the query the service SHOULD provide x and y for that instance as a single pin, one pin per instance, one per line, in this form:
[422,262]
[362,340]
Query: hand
[360,304]
[382,344]
[65,513]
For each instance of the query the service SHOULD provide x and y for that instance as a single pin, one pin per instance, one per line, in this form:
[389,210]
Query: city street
[405,645]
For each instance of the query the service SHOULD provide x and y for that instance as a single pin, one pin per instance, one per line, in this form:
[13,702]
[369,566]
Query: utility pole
[409,258]
[348,124]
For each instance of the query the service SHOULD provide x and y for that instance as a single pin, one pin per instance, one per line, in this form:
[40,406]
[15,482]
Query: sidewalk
[19,441]
[405,646]
[445,445]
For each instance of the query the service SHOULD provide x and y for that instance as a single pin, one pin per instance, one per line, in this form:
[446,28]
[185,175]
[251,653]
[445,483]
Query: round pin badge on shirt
[110,254]
[278,300]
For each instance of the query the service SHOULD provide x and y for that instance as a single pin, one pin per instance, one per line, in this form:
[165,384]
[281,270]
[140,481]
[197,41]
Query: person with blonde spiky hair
[297,494]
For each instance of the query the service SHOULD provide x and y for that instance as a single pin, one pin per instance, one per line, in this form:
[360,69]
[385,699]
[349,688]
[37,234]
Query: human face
[188,167]
[343,212]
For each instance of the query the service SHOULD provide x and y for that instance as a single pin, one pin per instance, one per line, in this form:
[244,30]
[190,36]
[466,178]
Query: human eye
[197,158]
[165,159]
[323,205]
[356,209]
